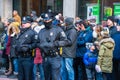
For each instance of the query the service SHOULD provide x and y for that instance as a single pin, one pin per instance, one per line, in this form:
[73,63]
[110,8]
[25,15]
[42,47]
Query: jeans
[15,64]
[99,76]
[90,73]
[40,67]
[67,71]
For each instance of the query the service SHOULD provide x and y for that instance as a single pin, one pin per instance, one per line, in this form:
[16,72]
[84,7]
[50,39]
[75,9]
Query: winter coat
[112,30]
[50,40]
[116,52]
[106,54]
[70,50]
[26,41]
[17,19]
[90,59]
[8,46]
[82,39]
[38,56]
[12,47]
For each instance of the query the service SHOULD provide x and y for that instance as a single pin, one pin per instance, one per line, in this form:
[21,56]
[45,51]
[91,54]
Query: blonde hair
[98,30]
[15,26]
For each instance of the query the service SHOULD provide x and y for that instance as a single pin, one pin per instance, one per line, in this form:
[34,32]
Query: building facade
[70,8]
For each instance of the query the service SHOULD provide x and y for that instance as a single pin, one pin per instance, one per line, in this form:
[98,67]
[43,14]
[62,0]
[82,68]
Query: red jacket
[38,58]
[8,46]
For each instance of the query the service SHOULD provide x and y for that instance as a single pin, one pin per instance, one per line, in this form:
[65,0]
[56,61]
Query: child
[90,60]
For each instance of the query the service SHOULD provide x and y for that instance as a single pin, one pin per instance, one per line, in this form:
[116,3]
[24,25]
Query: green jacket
[106,54]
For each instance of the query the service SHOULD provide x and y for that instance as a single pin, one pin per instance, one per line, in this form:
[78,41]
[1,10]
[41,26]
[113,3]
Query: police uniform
[49,42]
[26,42]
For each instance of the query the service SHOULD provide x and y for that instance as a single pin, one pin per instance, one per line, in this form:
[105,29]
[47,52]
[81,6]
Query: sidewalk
[3,77]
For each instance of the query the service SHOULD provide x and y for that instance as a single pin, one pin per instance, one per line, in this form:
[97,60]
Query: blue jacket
[90,58]
[83,38]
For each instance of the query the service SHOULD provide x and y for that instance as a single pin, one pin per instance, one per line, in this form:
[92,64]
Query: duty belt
[52,54]
[25,54]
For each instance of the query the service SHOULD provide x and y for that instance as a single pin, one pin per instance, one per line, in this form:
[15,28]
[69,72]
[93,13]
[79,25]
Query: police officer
[26,41]
[50,39]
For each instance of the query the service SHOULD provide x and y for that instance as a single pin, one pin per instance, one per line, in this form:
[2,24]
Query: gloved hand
[47,45]
[97,68]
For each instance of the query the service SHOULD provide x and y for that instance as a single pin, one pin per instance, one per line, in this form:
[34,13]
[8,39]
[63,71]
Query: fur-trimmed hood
[107,42]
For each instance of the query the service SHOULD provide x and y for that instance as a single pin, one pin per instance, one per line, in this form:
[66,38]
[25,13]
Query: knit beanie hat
[69,20]
[111,18]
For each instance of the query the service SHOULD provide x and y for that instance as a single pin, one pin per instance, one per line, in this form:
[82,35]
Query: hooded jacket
[106,54]
[70,50]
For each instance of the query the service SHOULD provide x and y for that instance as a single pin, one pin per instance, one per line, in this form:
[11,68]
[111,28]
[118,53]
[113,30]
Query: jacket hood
[108,42]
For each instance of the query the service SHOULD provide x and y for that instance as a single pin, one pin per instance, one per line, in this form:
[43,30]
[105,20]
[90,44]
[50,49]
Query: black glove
[47,45]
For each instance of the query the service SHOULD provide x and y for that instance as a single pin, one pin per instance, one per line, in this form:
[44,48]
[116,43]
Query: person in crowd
[4,38]
[1,26]
[97,33]
[1,42]
[38,60]
[12,32]
[116,53]
[117,22]
[111,26]
[56,21]
[69,52]
[50,39]
[105,56]
[16,17]
[90,60]
[26,42]
[50,13]
[61,18]
[33,16]
[84,36]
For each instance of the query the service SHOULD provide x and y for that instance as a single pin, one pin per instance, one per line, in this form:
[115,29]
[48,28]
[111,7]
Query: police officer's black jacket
[26,41]
[50,39]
